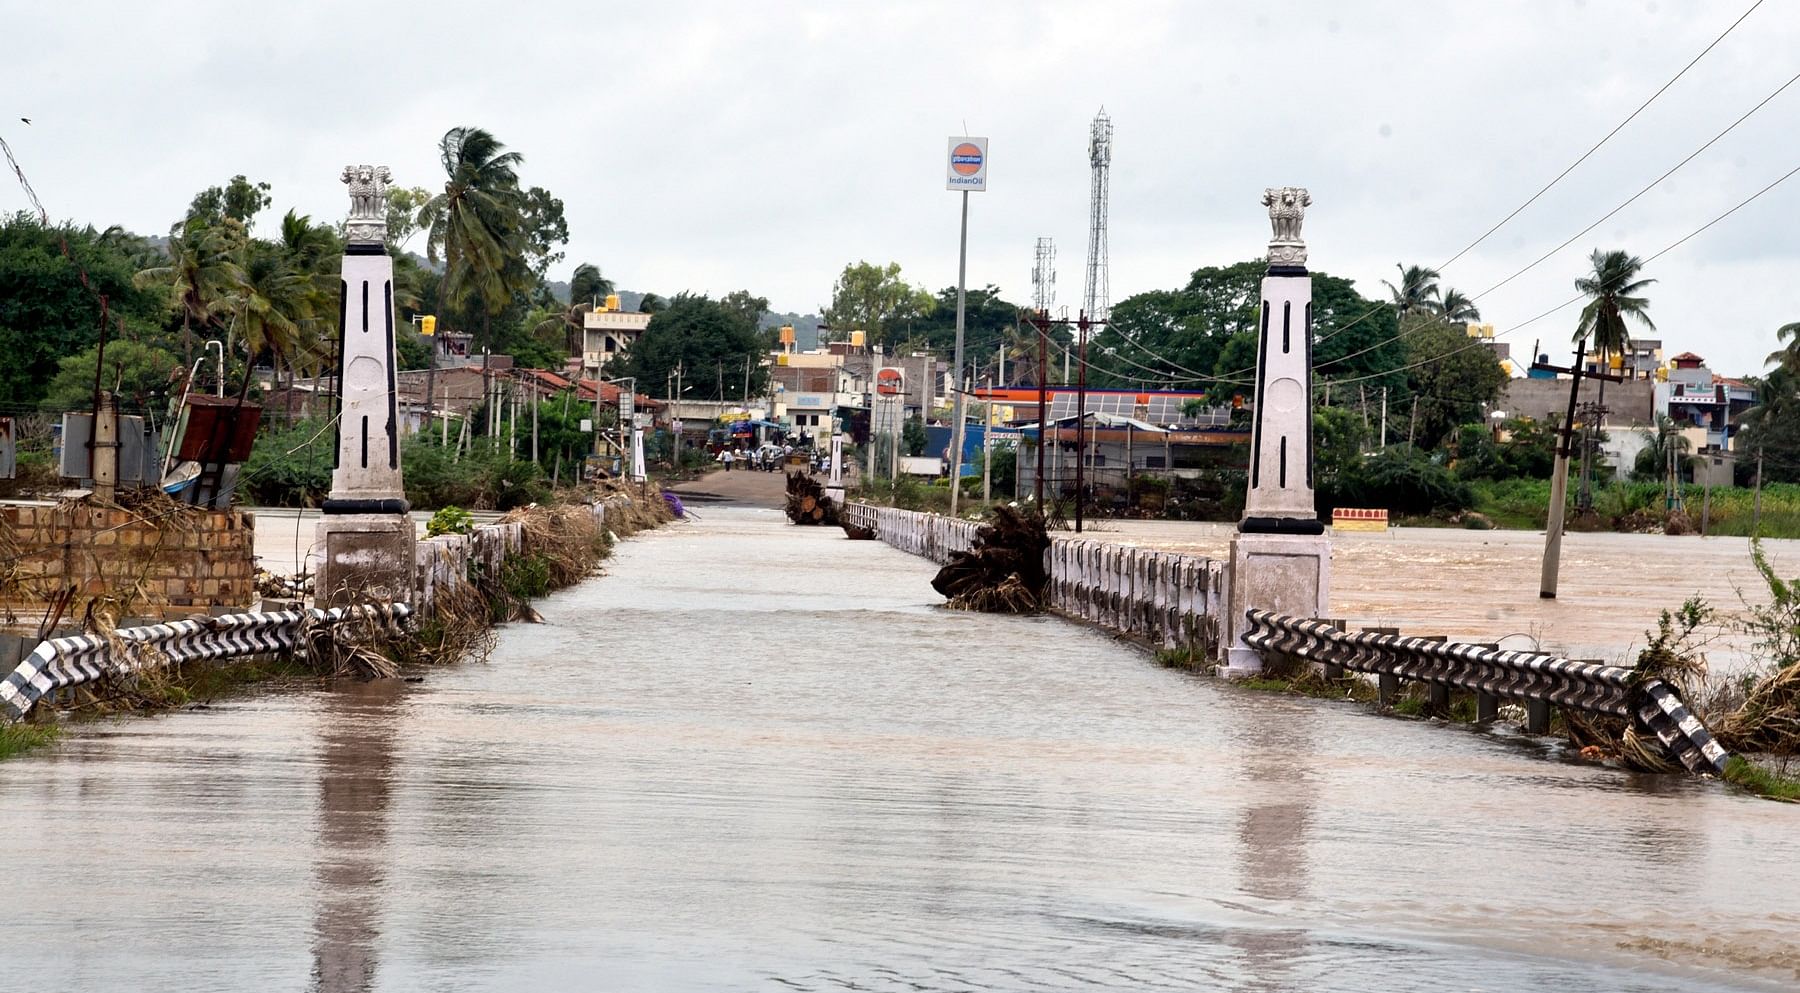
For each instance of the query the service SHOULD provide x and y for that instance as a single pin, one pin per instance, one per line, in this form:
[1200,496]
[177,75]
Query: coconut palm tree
[1455,308]
[200,278]
[588,285]
[1612,289]
[274,306]
[564,320]
[1788,357]
[1417,290]
[1663,443]
[475,227]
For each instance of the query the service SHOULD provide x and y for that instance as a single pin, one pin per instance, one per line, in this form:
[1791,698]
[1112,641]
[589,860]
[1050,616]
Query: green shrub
[1403,482]
[291,466]
[485,477]
[526,577]
[450,520]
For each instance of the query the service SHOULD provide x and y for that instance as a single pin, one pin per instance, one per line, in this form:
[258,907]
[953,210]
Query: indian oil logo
[965,159]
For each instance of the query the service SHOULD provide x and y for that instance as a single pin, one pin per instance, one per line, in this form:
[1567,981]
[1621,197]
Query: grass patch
[1310,683]
[1182,658]
[1409,706]
[201,682]
[1763,782]
[17,739]
[1521,504]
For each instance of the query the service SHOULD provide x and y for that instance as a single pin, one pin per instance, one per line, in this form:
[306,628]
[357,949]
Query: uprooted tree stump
[807,502]
[1003,573]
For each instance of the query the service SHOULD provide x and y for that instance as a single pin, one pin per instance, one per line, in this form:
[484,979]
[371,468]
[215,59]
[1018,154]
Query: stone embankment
[467,582]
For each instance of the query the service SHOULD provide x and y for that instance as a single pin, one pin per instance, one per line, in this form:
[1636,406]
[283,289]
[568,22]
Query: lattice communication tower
[1100,137]
[1043,276]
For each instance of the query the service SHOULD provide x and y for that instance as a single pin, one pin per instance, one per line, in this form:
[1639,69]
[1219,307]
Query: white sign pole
[968,162]
[637,454]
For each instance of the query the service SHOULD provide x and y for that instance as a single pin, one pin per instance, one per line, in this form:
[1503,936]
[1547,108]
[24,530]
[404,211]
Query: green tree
[1417,292]
[1665,440]
[588,286]
[1451,383]
[875,299]
[1788,356]
[559,328]
[746,305]
[474,225]
[199,276]
[403,206]
[45,311]
[1452,306]
[703,337]
[140,374]
[543,230]
[1773,425]
[988,320]
[1612,290]
[912,436]
[650,303]
[239,200]
[1338,437]
[1203,336]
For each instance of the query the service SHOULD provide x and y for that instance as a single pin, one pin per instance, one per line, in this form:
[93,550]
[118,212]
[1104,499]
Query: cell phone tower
[1043,276]
[1100,137]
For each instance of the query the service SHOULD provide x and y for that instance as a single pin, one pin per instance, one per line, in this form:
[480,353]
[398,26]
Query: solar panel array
[1163,410]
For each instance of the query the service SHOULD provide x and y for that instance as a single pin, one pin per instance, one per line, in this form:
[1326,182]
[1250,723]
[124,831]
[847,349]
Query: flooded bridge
[760,757]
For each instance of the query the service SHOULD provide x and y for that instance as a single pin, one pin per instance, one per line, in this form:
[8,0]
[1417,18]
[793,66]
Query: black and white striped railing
[1526,676]
[63,662]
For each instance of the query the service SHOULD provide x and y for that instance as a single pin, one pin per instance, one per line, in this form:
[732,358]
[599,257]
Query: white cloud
[712,146]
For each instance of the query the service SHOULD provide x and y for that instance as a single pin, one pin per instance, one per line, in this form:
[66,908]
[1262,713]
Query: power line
[1478,342]
[1559,177]
[1609,136]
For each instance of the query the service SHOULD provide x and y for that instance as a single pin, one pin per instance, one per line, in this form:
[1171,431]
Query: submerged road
[758,757]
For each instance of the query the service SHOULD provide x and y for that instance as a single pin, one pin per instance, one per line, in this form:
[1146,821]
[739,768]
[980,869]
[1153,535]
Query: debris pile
[1003,573]
[1769,721]
[807,502]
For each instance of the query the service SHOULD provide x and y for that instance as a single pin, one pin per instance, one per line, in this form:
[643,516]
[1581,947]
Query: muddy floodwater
[758,757]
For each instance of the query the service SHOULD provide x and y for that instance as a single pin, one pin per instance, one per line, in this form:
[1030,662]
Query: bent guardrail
[1526,676]
[60,663]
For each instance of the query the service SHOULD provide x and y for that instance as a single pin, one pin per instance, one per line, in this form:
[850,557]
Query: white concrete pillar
[369,540]
[1280,558]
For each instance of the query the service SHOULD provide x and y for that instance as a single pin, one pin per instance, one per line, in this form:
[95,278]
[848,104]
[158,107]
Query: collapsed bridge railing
[61,663]
[1165,599]
[1537,679]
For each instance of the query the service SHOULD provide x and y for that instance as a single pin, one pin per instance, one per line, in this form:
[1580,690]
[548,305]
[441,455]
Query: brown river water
[759,757]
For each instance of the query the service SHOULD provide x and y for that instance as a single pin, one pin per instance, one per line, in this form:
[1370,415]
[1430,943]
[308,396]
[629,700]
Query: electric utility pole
[1559,480]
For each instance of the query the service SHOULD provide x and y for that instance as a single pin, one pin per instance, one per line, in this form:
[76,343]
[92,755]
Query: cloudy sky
[713,146]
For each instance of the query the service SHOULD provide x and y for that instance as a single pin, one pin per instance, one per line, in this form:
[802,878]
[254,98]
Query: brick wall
[172,566]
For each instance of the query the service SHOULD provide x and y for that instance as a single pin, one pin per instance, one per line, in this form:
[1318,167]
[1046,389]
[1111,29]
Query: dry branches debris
[1003,572]
[807,502]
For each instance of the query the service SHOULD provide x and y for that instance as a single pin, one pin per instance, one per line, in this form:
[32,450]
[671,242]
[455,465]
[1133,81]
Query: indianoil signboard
[968,161]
